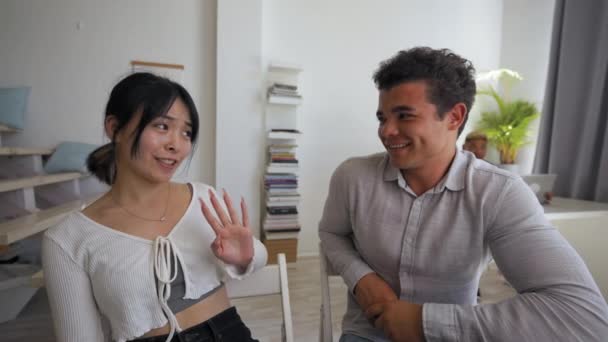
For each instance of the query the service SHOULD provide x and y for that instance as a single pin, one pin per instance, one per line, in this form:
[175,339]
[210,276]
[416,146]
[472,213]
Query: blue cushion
[69,157]
[13,102]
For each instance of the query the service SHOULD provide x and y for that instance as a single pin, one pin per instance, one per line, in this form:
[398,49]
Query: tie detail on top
[165,270]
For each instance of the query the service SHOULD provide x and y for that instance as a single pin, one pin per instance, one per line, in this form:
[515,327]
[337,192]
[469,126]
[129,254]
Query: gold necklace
[163,218]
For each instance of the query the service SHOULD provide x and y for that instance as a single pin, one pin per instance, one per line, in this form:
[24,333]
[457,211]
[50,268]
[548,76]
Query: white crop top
[101,279]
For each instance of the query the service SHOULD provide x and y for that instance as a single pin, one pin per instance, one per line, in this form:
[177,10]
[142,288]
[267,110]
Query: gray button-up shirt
[433,248]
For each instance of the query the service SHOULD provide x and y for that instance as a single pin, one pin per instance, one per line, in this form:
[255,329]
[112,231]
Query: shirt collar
[453,180]
[391,173]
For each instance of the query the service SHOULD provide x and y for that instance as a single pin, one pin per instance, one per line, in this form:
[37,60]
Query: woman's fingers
[213,222]
[234,216]
[245,213]
[224,219]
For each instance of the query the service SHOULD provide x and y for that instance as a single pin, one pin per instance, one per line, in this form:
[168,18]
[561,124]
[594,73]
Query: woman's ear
[111,125]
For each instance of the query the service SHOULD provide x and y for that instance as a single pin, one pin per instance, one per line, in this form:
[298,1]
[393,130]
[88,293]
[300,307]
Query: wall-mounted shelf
[283,135]
[279,66]
[284,100]
[280,217]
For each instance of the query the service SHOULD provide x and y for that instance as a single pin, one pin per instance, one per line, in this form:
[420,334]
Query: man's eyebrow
[167,116]
[402,108]
[398,109]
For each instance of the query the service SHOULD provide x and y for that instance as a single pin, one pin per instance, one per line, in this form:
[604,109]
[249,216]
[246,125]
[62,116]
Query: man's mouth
[397,146]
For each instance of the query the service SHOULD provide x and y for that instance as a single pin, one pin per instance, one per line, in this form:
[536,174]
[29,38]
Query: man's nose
[388,128]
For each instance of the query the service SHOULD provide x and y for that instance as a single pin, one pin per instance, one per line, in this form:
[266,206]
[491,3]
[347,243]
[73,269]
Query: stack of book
[280,93]
[282,159]
[281,220]
[282,197]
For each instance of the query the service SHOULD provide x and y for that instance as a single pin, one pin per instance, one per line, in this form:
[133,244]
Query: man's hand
[400,320]
[372,289]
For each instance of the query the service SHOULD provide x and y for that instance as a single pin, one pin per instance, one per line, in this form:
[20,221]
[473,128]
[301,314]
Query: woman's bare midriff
[197,313]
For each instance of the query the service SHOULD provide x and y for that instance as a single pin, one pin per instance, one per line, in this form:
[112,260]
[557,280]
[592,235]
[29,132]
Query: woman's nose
[173,142]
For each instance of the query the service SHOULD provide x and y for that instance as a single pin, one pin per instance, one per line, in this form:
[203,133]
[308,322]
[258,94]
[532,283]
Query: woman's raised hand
[234,242]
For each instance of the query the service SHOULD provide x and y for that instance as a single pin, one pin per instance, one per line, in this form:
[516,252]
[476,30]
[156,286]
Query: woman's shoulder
[75,231]
[70,234]
[70,224]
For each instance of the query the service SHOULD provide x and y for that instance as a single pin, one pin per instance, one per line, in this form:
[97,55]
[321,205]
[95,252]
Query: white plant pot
[513,168]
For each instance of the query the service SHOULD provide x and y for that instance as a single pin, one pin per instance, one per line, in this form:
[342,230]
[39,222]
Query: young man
[411,229]
[476,143]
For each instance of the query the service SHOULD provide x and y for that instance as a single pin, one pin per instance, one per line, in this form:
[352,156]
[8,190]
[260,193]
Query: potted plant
[506,127]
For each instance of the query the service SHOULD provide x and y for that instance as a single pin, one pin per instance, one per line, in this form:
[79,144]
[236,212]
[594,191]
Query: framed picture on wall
[174,72]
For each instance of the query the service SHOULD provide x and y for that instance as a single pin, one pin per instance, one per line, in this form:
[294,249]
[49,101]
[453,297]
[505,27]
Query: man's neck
[426,177]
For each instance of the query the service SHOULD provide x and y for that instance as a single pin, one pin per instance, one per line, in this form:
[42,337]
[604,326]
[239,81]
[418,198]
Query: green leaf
[507,129]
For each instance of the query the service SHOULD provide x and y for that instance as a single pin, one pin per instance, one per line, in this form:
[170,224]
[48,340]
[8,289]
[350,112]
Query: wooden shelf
[30,182]
[156,65]
[6,129]
[24,151]
[26,226]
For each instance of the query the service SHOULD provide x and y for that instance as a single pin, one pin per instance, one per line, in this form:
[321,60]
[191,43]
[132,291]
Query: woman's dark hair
[139,92]
[450,78]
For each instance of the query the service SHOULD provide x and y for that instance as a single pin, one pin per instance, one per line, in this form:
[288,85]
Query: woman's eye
[188,134]
[162,126]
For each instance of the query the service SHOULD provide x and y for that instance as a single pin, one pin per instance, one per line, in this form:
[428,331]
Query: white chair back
[325,329]
[272,279]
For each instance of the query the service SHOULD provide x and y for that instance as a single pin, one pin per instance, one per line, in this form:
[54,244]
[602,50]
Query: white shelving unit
[31,201]
[280,220]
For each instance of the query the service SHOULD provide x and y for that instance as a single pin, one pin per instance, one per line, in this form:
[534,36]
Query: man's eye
[403,116]
[381,119]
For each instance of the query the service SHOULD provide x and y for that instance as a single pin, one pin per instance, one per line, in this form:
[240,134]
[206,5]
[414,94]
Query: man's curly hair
[450,78]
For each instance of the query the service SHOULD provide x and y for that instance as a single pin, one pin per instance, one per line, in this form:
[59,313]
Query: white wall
[71,71]
[526,43]
[339,44]
[585,235]
[240,137]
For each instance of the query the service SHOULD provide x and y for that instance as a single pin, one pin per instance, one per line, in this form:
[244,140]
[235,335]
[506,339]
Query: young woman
[147,260]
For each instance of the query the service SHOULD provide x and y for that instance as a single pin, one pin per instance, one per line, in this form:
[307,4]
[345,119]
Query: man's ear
[457,115]
[111,125]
